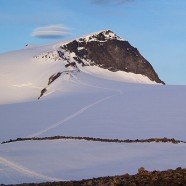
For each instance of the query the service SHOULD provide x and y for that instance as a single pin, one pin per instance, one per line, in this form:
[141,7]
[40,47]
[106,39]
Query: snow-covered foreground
[73,160]
[106,109]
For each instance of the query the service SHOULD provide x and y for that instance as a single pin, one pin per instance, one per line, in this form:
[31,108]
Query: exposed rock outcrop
[109,51]
[44,90]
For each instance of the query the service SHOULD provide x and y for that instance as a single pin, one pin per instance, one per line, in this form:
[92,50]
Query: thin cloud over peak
[51,31]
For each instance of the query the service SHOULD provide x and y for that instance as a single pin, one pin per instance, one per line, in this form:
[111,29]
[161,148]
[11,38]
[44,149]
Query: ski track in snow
[81,111]
[26,171]
[99,87]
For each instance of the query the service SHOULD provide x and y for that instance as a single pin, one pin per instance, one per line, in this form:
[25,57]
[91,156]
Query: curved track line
[26,171]
[81,111]
[99,87]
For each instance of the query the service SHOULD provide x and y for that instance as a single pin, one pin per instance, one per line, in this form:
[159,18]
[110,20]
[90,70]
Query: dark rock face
[73,64]
[53,77]
[42,93]
[112,53]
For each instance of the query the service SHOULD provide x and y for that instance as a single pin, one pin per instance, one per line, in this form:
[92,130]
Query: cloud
[99,2]
[51,32]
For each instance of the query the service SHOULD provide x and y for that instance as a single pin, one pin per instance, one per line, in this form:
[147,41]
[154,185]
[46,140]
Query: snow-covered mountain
[80,94]
[36,71]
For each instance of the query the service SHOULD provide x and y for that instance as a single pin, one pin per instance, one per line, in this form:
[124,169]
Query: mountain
[95,116]
[35,71]
[107,50]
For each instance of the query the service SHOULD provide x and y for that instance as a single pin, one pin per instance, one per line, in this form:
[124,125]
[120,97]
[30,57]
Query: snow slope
[83,101]
[24,73]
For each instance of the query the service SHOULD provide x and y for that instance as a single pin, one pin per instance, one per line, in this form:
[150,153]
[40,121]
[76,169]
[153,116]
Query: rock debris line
[169,177]
[150,140]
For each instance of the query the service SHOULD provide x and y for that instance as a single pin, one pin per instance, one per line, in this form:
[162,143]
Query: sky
[157,28]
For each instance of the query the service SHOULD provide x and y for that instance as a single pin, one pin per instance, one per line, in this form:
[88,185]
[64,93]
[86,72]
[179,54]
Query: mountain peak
[101,36]
[108,51]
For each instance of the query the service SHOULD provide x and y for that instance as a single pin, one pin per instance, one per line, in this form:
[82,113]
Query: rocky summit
[107,50]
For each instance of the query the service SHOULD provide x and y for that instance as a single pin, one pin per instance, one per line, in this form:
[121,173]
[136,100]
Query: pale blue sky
[156,27]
